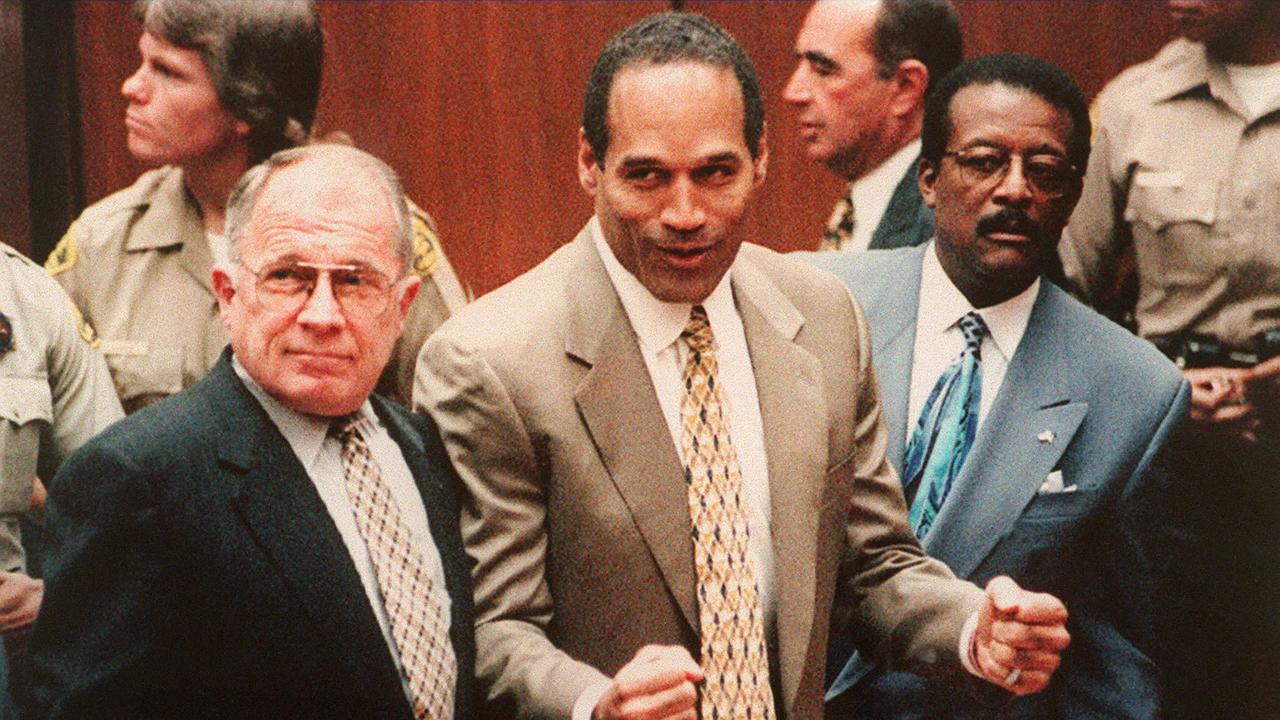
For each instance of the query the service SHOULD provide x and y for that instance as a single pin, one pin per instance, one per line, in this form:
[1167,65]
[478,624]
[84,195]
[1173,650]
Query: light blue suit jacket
[1081,396]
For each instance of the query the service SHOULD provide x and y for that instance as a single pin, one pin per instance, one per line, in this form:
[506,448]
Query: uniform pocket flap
[1159,202]
[23,399]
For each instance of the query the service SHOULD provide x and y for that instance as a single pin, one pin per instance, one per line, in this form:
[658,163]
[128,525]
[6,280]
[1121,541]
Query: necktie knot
[697,333]
[974,329]
[839,229]
[344,427]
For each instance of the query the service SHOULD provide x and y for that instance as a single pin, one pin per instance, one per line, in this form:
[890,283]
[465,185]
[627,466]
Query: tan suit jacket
[577,514]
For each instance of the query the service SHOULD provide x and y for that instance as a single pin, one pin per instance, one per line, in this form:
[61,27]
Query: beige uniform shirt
[137,265]
[55,392]
[1181,171]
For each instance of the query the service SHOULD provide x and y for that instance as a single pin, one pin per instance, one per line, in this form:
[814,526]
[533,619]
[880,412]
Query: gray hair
[265,58]
[360,167]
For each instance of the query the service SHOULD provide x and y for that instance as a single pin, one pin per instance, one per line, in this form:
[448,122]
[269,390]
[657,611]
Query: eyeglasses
[1049,176]
[286,286]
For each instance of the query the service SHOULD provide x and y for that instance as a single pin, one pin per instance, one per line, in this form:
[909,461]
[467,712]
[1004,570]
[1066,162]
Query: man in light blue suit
[1029,430]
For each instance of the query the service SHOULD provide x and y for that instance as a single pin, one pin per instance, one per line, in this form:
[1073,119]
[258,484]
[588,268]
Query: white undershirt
[321,456]
[939,340]
[872,192]
[1257,85]
[657,326]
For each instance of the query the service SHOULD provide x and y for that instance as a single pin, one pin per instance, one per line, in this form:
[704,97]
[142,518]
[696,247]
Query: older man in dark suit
[273,542]
[863,68]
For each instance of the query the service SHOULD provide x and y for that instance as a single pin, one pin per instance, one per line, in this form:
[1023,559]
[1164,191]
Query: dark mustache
[1010,220]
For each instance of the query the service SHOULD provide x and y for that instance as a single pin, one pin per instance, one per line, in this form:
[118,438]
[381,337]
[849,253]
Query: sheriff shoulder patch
[425,242]
[66,253]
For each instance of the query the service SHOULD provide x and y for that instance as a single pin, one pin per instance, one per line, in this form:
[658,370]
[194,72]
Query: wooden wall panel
[477,104]
[15,218]
[1091,40]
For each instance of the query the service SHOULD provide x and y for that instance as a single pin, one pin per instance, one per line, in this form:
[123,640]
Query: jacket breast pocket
[1045,509]
[26,409]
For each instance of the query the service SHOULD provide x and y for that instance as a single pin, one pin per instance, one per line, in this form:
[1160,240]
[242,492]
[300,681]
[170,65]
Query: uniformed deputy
[1183,175]
[55,394]
[221,86]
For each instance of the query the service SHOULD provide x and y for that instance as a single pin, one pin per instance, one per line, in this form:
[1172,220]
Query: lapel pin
[1046,436]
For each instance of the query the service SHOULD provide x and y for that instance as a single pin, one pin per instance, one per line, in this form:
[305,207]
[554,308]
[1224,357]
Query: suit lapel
[897,226]
[1010,458]
[789,387]
[443,520]
[893,347]
[282,510]
[620,410]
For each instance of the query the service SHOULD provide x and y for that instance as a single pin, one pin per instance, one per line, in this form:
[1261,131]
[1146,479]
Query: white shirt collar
[871,192]
[304,433]
[658,324]
[942,305]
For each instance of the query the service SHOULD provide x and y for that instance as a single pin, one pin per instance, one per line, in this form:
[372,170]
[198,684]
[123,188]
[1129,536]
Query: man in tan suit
[672,441]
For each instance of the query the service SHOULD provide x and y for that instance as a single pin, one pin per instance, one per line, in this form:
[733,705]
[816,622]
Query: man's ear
[761,160]
[589,166]
[926,176]
[224,288]
[413,283]
[911,82]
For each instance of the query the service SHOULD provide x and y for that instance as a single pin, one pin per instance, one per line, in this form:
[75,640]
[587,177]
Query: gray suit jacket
[577,514]
[907,221]
[1083,397]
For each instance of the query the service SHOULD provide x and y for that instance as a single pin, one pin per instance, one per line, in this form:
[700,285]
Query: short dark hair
[661,39]
[265,58]
[926,30]
[1022,72]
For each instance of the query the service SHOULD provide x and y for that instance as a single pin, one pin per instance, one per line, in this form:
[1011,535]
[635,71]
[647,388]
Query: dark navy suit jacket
[1083,397]
[192,570]
[907,221]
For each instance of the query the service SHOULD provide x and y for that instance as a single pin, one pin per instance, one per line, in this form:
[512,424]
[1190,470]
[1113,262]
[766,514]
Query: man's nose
[134,86]
[797,90]
[1013,188]
[322,309]
[683,211]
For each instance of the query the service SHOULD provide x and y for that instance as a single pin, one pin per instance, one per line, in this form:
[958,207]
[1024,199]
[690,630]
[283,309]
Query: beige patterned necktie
[839,230]
[735,659]
[408,593]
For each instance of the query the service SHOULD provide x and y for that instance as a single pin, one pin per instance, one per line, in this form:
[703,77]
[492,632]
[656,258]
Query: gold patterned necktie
[409,595]
[839,230]
[735,658]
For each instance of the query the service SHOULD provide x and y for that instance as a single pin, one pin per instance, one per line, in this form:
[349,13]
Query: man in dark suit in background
[863,69]
[1029,431]
[273,542]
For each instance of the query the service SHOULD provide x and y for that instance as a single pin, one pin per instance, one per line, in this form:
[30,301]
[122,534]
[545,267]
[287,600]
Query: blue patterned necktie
[944,433]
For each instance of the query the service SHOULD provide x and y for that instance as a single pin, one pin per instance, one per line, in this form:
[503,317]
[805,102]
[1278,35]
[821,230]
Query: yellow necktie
[839,230]
[735,658]
[408,593]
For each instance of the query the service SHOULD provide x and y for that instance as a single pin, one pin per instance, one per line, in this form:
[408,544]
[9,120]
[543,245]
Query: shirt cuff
[590,697]
[968,651]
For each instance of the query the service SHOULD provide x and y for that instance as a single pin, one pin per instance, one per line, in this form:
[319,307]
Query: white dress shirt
[657,326]
[939,340]
[872,192]
[321,456]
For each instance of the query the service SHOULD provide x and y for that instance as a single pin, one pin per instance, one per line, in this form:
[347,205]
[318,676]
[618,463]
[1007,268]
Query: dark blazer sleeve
[104,571]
